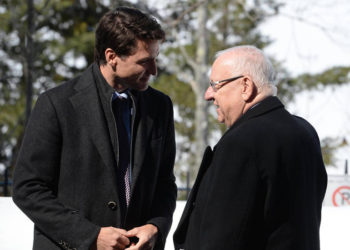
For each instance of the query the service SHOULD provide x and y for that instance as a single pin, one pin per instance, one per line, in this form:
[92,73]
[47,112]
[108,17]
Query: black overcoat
[65,177]
[261,188]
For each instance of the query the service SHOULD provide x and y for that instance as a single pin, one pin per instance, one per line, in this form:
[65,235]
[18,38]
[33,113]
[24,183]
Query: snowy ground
[16,229]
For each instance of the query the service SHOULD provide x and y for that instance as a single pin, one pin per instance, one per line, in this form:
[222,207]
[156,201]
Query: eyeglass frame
[213,84]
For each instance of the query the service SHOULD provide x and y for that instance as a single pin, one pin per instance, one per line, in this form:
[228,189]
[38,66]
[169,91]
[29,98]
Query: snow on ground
[16,230]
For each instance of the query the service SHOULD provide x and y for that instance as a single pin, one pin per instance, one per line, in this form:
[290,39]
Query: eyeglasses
[214,84]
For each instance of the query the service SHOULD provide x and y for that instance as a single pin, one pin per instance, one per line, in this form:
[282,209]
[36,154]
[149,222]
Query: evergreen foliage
[63,42]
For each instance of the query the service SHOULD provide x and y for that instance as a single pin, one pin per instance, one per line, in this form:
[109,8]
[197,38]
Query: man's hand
[147,236]
[111,238]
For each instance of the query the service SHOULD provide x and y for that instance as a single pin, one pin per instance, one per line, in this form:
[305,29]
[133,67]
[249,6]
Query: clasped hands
[111,238]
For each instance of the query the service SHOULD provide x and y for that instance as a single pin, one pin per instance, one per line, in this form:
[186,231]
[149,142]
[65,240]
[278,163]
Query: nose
[209,94]
[152,67]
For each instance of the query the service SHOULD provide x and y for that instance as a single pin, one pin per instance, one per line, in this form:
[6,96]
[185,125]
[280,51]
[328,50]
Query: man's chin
[140,86]
[220,118]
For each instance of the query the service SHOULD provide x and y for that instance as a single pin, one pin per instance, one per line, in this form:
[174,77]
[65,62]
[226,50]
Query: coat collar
[268,104]
[87,104]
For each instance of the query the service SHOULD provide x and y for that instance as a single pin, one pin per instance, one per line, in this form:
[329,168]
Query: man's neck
[260,97]
[110,78]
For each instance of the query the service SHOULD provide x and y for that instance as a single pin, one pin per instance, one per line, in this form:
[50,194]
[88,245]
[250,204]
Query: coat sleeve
[166,190]
[36,178]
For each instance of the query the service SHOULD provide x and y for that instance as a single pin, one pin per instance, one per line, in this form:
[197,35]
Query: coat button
[112,205]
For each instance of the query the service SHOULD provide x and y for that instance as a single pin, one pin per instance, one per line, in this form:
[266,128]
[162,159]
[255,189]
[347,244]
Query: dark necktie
[121,112]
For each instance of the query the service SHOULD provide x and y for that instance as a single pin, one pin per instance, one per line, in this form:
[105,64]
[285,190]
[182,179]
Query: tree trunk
[200,86]
[29,59]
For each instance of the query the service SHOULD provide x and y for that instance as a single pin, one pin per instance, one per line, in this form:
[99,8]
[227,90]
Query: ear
[249,90]
[111,57]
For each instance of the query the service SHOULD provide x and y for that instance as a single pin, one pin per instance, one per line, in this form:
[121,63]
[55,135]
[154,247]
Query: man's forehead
[151,47]
[222,65]
[226,59]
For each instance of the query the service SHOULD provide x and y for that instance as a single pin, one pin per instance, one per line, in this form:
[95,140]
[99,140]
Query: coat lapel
[88,108]
[141,134]
[181,231]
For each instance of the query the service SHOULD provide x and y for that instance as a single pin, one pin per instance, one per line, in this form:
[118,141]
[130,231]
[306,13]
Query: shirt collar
[120,95]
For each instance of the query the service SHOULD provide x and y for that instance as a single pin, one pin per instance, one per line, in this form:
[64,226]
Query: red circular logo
[341,196]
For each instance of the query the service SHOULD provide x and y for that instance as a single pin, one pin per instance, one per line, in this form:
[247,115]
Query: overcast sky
[311,36]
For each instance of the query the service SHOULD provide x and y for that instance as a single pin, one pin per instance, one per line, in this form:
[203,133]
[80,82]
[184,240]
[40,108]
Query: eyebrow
[143,60]
[148,58]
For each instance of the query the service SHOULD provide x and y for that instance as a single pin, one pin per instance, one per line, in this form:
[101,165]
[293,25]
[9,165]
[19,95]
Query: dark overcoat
[65,177]
[261,188]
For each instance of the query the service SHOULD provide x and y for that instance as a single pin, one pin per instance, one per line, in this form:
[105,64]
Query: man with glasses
[263,184]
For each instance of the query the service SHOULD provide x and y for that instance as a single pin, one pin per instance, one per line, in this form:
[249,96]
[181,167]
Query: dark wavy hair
[120,29]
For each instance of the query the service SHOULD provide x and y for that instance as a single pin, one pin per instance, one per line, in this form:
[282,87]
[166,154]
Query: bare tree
[200,84]
[196,74]
[29,58]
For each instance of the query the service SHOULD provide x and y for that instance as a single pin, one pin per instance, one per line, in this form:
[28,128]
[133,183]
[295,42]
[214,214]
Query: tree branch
[188,59]
[175,22]
[324,29]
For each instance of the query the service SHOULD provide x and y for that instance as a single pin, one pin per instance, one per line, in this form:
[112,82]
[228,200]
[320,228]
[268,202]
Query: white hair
[251,61]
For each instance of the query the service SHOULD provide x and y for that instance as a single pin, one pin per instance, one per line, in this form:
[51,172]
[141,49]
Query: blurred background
[45,42]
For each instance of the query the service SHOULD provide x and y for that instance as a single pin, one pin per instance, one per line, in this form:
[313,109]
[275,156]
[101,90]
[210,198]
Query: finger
[120,246]
[132,232]
[135,246]
[131,245]
[121,231]
[132,248]
[123,240]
